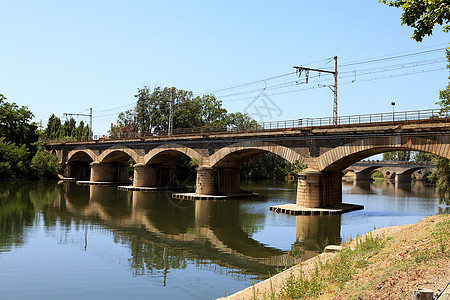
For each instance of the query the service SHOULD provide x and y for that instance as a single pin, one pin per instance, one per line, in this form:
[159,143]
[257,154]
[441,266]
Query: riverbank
[387,263]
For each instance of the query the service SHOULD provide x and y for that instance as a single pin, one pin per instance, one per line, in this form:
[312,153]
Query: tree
[239,121]
[397,156]
[423,15]
[55,129]
[441,174]
[15,123]
[45,165]
[152,112]
[14,159]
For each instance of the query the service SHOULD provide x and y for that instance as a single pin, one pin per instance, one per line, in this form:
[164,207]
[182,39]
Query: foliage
[441,176]
[423,15]
[397,156]
[56,129]
[423,157]
[15,123]
[444,95]
[302,287]
[338,270]
[152,113]
[13,160]
[44,164]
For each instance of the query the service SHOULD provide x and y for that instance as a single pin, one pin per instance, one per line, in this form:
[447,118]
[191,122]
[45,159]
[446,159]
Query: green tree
[441,174]
[44,164]
[15,123]
[152,112]
[14,160]
[397,156]
[239,121]
[55,129]
[423,15]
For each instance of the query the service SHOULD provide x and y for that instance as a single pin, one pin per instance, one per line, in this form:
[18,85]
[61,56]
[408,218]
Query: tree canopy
[152,112]
[56,129]
[423,15]
[15,123]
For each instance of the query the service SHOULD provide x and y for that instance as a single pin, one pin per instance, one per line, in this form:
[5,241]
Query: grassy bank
[388,263]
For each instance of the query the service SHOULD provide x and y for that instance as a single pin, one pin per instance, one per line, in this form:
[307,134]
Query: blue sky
[68,56]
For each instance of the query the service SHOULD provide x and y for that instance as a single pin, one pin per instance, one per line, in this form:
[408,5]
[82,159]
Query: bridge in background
[401,171]
[327,150]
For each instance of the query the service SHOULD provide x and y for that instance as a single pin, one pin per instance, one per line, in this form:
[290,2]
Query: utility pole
[333,87]
[170,129]
[83,115]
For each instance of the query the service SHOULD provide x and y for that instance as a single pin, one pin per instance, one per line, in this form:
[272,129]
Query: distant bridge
[401,171]
[326,149]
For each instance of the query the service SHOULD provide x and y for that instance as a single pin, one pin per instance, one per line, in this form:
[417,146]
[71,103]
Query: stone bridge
[398,170]
[326,151]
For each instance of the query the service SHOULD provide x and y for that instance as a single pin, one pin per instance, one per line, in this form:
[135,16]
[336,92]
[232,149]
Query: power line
[349,82]
[353,73]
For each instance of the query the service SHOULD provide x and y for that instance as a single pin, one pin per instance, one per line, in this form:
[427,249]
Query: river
[65,241]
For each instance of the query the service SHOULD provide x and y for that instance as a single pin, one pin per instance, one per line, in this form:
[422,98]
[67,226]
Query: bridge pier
[101,172]
[144,176]
[319,189]
[402,178]
[363,176]
[218,181]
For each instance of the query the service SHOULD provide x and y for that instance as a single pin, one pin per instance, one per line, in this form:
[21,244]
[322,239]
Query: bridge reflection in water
[159,229]
[161,238]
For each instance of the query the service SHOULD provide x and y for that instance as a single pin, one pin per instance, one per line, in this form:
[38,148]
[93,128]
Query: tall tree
[423,15]
[152,112]
[397,156]
[441,174]
[15,123]
[55,129]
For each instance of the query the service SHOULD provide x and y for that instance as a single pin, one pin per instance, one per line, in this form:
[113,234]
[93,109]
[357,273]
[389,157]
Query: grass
[335,272]
[373,265]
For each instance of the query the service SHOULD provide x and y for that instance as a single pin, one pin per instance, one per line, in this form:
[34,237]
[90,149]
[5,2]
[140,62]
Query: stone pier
[106,172]
[218,181]
[319,189]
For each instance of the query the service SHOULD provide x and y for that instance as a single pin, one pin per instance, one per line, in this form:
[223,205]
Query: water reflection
[389,187]
[162,235]
[18,209]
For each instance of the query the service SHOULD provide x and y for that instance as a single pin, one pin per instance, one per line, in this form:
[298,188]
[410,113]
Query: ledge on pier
[194,196]
[153,188]
[99,183]
[294,210]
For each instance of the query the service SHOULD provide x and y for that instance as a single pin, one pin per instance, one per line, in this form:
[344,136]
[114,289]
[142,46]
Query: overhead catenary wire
[359,71]
[380,59]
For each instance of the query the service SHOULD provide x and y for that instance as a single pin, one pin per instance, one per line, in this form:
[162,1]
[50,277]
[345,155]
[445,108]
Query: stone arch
[79,153]
[236,154]
[116,154]
[341,157]
[78,163]
[422,174]
[170,153]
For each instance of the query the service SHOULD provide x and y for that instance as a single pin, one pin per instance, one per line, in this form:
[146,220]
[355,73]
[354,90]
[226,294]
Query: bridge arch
[236,154]
[339,158]
[81,154]
[118,154]
[170,153]
[78,163]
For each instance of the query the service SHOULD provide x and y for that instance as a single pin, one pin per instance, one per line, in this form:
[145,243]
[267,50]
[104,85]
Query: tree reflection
[19,205]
